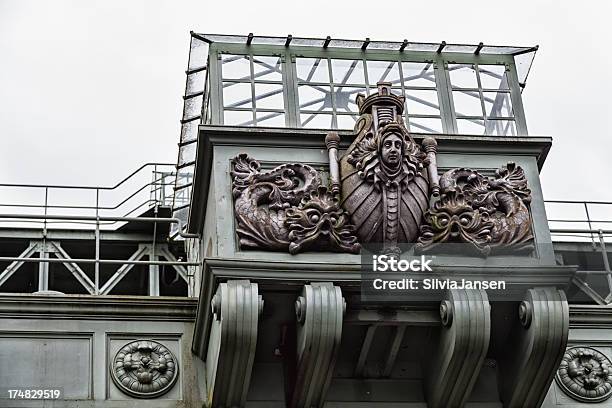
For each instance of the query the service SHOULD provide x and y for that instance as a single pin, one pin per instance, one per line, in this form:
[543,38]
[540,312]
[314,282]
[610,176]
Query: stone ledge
[86,307]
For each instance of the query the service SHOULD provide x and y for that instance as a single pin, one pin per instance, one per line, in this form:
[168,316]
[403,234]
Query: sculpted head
[392,150]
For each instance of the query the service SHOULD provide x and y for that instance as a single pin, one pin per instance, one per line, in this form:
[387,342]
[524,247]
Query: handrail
[59,186]
[99,218]
[85,207]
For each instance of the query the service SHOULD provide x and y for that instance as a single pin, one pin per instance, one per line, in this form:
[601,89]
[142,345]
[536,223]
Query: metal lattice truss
[253,92]
[52,251]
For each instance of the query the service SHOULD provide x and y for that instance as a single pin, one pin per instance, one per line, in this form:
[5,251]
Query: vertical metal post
[153,273]
[606,262]
[43,267]
[97,264]
[586,210]
[154,269]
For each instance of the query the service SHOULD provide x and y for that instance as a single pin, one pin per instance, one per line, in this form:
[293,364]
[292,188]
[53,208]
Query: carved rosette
[144,369]
[585,374]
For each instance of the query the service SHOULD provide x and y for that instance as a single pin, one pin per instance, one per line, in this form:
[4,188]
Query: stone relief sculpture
[384,177]
[487,213]
[384,189]
[144,369]
[287,208]
[585,374]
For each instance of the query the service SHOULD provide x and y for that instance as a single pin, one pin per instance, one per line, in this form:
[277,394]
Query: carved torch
[431,148]
[332,141]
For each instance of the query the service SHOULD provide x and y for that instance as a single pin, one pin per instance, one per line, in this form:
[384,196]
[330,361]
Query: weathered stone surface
[535,348]
[236,307]
[464,340]
[319,312]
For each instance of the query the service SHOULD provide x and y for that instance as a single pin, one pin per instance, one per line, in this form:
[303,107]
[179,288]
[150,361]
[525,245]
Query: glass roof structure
[295,82]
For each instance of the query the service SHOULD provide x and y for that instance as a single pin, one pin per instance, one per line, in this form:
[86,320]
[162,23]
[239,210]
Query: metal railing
[133,195]
[579,220]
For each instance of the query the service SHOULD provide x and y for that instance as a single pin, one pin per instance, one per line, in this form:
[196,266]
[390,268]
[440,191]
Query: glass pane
[348,71]
[272,119]
[346,98]
[501,128]
[242,118]
[467,103]
[346,121]
[470,126]
[192,107]
[314,97]
[267,68]
[318,121]
[237,95]
[498,104]
[198,53]
[462,75]
[235,66]
[187,153]
[422,102]
[425,125]
[269,96]
[493,76]
[189,130]
[312,70]
[379,71]
[418,74]
[195,82]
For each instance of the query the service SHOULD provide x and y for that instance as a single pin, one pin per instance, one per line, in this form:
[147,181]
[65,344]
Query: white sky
[89,90]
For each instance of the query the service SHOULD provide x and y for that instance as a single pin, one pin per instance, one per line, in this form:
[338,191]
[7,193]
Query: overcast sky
[89,90]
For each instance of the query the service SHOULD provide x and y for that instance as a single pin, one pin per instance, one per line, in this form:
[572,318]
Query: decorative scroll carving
[585,374]
[319,223]
[385,187]
[487,213]
[319,311]
[463,345]
[287,209]
[236,307]
[535,348]
[144,369]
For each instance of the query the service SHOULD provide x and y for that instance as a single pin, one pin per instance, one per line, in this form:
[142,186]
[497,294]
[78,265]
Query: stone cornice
[590,317]
[84,307]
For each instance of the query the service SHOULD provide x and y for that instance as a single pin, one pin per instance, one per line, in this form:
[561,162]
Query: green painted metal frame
[289,76]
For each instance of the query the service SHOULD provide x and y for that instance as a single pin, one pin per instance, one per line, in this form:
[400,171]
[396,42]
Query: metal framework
[49,218]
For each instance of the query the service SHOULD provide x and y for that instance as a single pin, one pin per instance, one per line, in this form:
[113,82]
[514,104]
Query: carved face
[320,223]
[391,150]
[453,220]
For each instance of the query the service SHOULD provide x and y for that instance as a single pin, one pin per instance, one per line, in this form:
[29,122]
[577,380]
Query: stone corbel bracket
[535,348]
[319,312]
[236,307]
[463,345]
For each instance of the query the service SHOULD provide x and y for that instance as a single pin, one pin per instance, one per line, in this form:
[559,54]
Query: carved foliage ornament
[486,213]
[288,209]
[144,369]
[585,374]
